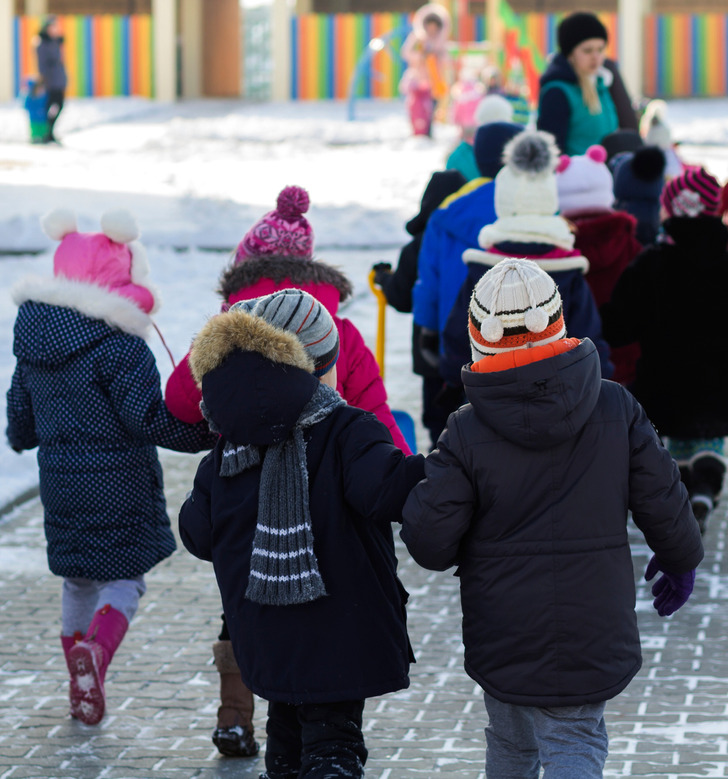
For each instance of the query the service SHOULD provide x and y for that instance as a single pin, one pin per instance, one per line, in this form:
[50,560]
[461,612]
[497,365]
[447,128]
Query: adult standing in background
[51,68]
[583,97]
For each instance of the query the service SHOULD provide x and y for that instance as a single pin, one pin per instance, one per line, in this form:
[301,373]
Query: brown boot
[234,733]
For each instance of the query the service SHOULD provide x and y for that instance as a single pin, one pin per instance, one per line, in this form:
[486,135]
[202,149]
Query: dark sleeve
[136,395]
[622,315]
[554,114]
[626,115]
[454,340]
[21,418]
[378,476]
[397,286]
[195,520]
[658,499]
[440,509]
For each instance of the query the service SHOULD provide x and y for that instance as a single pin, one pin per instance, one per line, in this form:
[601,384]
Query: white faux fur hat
[493,108]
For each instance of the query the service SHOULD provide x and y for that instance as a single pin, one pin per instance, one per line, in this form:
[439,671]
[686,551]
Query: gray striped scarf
[283,566]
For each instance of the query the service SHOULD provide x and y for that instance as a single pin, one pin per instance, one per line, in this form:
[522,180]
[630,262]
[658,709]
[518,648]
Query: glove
[381,269]
[429,344]
[671,590]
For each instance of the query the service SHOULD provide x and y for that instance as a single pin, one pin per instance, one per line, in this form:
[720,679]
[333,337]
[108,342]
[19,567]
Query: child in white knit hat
[527,494]
[294,508]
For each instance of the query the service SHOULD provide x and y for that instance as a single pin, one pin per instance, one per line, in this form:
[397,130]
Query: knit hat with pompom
[695,193]
[284,232]
[585,182]
[515,305]
[527,183]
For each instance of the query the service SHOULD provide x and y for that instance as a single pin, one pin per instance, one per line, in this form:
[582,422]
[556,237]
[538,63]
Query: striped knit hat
[694,193]
[515,305]
[297,312]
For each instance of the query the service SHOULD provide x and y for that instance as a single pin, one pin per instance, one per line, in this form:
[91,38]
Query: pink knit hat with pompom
[284,232]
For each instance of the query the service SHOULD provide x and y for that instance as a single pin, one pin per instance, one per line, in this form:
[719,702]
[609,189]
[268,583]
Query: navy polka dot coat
[86,392]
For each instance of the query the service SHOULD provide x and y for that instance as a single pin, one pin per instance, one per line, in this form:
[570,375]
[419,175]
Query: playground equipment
[375,45]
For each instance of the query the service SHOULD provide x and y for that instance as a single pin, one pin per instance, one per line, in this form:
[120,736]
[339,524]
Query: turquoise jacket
[463,160]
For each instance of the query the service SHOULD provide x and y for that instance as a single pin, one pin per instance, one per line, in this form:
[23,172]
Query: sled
[404,420]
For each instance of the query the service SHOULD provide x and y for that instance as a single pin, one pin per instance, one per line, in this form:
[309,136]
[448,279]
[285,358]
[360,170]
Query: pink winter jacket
[358,379]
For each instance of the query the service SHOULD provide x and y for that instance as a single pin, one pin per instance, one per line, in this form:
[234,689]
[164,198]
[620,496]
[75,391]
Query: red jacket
[607,239]
[358,379]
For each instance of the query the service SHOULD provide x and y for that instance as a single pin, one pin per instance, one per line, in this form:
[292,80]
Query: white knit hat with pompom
[515,305]
[526,186]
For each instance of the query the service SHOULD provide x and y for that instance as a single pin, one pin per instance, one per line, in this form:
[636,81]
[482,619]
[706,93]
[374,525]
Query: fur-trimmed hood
[59,318]
[326,283]
[86,299]
[255,378]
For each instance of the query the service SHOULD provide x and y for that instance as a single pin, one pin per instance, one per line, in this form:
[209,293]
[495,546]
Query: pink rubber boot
[88,660]
[67,642]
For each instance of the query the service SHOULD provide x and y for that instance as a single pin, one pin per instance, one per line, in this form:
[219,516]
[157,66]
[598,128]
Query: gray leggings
[82,598]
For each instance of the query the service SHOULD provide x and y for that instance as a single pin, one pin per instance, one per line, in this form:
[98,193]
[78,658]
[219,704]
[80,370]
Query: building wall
[520,6]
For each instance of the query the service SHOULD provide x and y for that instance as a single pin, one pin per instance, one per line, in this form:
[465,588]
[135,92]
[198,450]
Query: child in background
[656,132]
[294,508]
[639,178]
[527,494]
[492,108]
[275,254]
[671,286]
[86,392]
[397,287]
[425,52]
[35,103]
[528,226]
[604,236]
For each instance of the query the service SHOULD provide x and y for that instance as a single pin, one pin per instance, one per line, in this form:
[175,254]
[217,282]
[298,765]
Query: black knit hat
[577,28]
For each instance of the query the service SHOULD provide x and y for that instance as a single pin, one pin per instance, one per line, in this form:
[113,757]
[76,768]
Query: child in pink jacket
[275,254]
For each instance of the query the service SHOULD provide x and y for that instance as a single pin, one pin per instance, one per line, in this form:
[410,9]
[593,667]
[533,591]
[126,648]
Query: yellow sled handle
[381,321]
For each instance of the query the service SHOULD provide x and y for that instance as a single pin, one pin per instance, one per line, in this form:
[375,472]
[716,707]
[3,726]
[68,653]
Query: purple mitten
[671,590]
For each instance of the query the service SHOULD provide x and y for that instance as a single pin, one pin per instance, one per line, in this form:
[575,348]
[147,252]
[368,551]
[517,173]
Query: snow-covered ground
[197,174]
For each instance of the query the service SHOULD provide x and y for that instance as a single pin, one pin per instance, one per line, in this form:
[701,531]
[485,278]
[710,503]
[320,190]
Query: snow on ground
[197,174]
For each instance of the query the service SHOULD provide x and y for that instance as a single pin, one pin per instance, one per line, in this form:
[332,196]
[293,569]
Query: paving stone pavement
[671,722]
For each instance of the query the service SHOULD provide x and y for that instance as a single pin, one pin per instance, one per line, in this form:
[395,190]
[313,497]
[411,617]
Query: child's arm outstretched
[377,476]
[439,509]
[136,394]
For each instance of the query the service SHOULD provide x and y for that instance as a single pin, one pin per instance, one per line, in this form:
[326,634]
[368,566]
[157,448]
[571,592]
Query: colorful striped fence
[326,49]
[686,55]
[104,55]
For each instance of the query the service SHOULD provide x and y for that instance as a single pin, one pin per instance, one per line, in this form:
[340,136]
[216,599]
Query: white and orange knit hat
[515,305]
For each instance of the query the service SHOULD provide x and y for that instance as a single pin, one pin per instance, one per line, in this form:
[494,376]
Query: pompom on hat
[112,259]
[283,232]
[493,108]
[515,305]
[695,193]
[295,311]
[585,182]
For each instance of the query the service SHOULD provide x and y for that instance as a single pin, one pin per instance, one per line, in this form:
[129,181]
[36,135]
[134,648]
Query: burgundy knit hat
[284,232]
[694,193]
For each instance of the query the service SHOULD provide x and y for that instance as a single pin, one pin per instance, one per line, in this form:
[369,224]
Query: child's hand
[671,590]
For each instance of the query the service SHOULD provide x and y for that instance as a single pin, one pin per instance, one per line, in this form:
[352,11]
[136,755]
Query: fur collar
[491,258]
[88,299]
[225,333]
[298,272]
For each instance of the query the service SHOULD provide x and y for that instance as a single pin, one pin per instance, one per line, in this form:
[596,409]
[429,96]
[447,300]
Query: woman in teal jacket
[582,96]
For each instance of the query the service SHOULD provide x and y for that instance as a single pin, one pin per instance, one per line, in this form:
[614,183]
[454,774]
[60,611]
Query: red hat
[694,193]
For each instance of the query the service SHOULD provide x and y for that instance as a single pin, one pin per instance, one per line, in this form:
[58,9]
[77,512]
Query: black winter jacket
[50,62]
[352,643]
[528,494]
[672,301]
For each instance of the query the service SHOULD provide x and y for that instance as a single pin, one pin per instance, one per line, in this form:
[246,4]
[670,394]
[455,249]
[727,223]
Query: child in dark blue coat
[86,392]
[294,508]
[528,494]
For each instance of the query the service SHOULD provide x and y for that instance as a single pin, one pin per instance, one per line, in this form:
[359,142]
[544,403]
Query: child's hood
[59,318]
[542,404]
[255,379]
